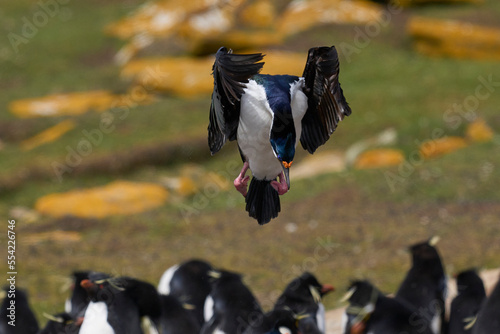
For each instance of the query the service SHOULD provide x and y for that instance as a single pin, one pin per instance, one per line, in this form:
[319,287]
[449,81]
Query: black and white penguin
[230,307]
[77,303]
[488,318]
[369,311]
[176,317]
[466,304]
[282,321]
[189,283]
[268,115]
[110,310]
[424,286]
[303,296]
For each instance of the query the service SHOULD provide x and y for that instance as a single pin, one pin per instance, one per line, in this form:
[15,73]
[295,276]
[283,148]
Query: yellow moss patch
[53,236]
[301,15]
[259,14]
[181,76]
[187,77]
[479,131]
[49,135]
[277,62]
[76,103]
[435,37]
[62,104]
[318,164]
[158,18]
[377,158]
[119,197]
[435,148]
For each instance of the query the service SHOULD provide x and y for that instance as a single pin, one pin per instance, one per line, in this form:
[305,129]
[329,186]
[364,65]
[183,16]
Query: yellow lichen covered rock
[279,62]
[47,136]
[259,14]
[318,164]
[117,198]
[301,14]
[479,131]
[161,18]
[183,76]
[377,158]
[77,103]
[448,38]
[187,76]
[438,147]
[62,104]
[189,20]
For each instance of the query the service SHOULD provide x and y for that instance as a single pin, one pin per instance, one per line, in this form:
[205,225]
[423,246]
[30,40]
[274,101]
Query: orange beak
[286,172]
[327,288]
[86,284]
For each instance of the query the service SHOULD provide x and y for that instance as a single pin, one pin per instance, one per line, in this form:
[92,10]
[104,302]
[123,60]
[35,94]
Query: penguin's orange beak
[287,164]
[327,288]
[86,284]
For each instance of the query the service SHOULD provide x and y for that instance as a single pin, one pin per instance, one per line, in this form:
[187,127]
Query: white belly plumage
[254,127]
[96,320]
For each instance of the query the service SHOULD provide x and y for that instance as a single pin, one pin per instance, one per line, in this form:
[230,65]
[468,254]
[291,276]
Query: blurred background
[104,162]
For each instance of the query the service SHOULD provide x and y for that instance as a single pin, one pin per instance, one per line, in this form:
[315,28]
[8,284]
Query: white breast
[320,317]
[164,285]
[96,320]
[208,308]
[253,132]
[255,123]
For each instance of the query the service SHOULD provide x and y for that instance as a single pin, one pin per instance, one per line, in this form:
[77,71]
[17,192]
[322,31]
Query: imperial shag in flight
[268,115]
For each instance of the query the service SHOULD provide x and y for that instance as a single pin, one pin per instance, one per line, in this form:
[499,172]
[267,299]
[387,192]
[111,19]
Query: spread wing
[327,105]
[231,72]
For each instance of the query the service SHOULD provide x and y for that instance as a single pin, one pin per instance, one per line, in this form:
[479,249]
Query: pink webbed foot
[241,182]
[281,187]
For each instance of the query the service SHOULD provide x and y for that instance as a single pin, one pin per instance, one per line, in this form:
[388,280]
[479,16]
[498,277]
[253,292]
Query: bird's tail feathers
[263,202]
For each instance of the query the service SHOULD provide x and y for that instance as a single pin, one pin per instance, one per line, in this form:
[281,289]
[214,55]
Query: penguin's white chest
[166,278]
[256,118]
[96,319]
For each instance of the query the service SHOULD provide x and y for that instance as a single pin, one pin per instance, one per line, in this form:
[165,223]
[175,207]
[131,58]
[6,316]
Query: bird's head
[283,140]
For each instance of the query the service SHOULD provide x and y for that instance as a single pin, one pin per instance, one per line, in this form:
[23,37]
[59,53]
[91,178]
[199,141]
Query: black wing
[326,104]
[231,72]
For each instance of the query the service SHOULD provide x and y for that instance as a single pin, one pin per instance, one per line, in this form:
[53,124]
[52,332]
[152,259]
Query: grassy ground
[352,224]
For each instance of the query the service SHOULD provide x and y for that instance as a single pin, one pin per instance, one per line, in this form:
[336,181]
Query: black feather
[231,72]
[327,105]
[263,201]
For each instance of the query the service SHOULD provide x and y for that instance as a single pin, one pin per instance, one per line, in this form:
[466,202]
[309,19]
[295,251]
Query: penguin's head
[308,285]
[362,297]
[360,293]
[425,252]
[283,140]
[469,280]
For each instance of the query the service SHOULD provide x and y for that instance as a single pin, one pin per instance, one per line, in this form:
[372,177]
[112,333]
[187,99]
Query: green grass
[366,222]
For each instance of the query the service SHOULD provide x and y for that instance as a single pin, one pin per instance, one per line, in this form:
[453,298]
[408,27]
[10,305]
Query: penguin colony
[196,298]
